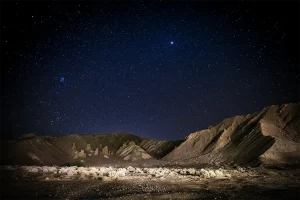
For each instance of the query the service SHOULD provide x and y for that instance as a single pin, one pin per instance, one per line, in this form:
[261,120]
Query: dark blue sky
[75,67]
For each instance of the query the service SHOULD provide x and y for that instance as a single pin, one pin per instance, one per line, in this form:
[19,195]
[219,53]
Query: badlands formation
[250,156]
[270,137]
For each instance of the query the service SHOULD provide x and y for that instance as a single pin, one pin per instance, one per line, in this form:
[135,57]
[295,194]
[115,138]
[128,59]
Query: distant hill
[270,136]
[32,150]
[46,150]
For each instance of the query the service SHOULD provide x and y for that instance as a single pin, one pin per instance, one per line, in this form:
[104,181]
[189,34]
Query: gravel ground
[257,184]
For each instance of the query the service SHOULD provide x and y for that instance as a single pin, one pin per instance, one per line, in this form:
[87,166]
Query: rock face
[88,148]
[271,136]
[80,154]
[96,152]
[159,148]
[133,152]
[105,151]
[74,148]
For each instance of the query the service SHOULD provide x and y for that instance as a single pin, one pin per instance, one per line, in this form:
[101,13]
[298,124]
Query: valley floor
[260,183]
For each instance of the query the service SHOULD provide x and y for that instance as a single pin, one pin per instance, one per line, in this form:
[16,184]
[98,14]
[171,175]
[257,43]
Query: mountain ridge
[29,148]
[250,139]
[269,137]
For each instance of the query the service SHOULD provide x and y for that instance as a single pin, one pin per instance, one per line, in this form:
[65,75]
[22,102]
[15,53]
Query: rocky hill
[159,148]
[271,137]
[132,152]
[31,150]
[94,148]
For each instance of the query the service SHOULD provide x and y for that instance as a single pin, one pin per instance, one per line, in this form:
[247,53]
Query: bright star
[171,42]
[62,79]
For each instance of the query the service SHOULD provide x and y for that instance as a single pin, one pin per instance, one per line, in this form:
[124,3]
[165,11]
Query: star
[62,79]
[135,72]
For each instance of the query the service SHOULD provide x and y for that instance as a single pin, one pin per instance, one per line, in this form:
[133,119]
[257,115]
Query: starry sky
[155,69]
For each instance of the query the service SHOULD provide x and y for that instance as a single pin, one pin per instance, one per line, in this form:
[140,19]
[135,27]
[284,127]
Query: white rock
[105,178]
[112,174]
[145,170]
[121,172]
[138,170]
[93,169]
[91,173]
[182,172]
[33,170]
[45,169]
[159,174]
[205,174]
[165,171]
[64,170]
[219,173]
[130,169]
[151,171]
[172,174]
[71,173]
[52,169]
[96,152]
[202,170]
[80,168]
[198,173]
[240,169]
[191,171]
[212,173]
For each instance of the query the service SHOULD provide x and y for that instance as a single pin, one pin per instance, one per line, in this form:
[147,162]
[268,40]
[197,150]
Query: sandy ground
[258,183]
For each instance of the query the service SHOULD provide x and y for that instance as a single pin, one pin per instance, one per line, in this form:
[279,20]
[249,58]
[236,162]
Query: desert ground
[106,182]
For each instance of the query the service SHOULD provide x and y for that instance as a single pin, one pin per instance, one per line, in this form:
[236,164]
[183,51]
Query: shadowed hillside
[31,150]
[94,148]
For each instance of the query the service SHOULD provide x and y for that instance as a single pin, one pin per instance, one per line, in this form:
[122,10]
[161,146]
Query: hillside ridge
[269,136]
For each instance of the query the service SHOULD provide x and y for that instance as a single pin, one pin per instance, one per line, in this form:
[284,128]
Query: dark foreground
[151,190]
[271,185]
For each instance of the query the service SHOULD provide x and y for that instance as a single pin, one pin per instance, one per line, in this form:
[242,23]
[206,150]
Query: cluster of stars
[154,69]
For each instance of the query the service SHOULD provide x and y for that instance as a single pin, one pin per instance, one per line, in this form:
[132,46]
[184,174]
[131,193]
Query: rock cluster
[130,173]
[89,152]
[129,151]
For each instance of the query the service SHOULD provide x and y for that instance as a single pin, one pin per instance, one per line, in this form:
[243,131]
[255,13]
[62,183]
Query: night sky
[160,70]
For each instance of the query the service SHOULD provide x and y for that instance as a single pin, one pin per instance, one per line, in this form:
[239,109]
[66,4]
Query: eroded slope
[270,136]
